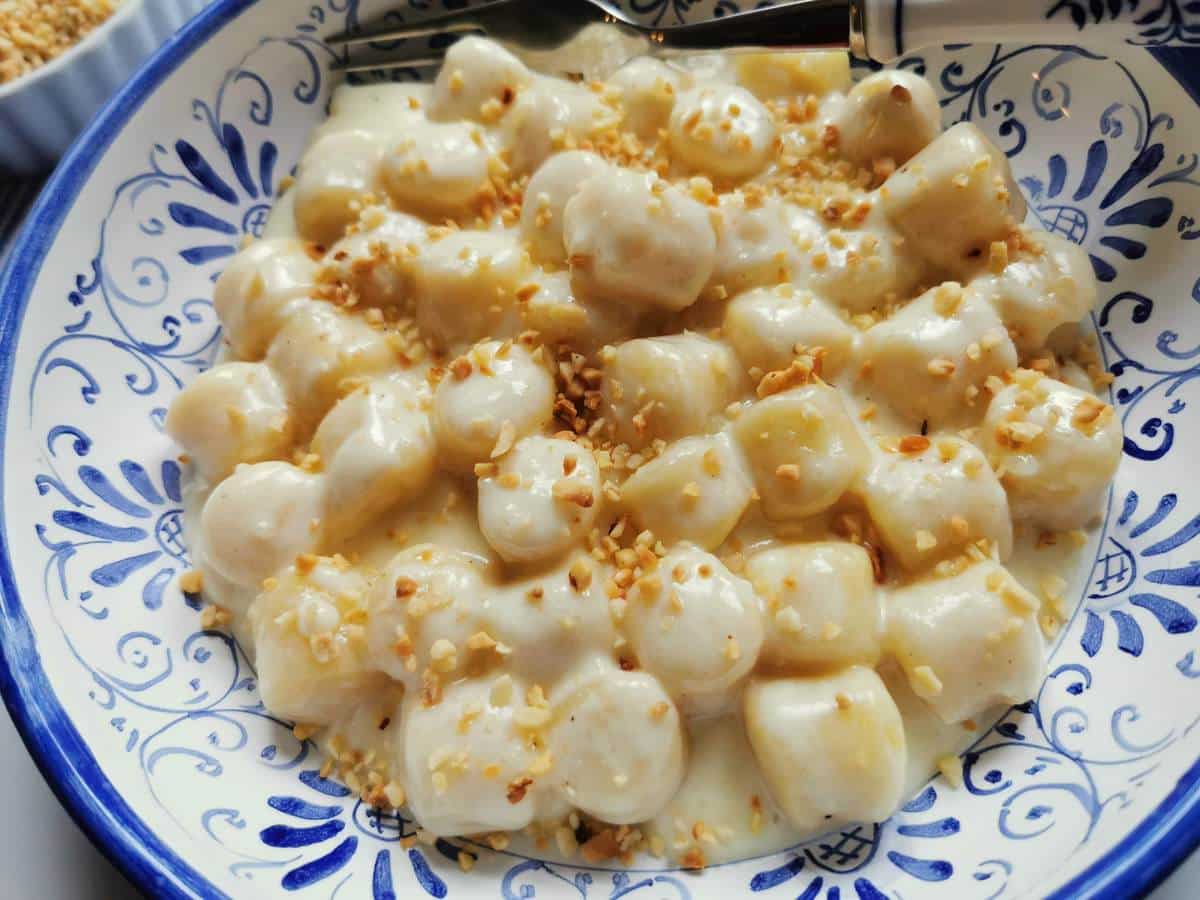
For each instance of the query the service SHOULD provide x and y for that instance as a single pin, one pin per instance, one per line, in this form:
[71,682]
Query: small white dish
[43,111]
[150,728]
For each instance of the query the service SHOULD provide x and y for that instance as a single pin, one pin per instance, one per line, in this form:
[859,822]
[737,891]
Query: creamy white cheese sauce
[799,365]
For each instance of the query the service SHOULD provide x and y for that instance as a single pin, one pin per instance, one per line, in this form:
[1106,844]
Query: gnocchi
[889,115]
[669,387]
[619,741]
[310,649]
[803,450]
[644,461]
[968,641]
[465,287]
[694,623]
[695,491]
[319,352]
[335,174]
[931,361]
[822,607]
[722,131]
[1057,448]
[769,327]
[541,498]
[491,397]
[551,187]
[260,289]
[236,413]
[377,449]
[437,169]
[632,238]
[259,519]
[932,503]
[1047,285]
[831,747]
[954,199]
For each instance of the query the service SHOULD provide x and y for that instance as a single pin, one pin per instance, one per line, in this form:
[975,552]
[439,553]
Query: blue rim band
[1130,869]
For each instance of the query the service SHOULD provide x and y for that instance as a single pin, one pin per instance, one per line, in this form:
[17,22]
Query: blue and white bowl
[151,729]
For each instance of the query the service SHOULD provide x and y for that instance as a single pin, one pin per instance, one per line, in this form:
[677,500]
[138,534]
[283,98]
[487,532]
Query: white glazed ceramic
[42,112]
[151,729]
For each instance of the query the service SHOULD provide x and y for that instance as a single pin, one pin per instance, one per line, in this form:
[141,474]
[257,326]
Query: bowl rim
[1131,868]
[125,9]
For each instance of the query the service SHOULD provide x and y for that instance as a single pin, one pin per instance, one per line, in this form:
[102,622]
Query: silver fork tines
[540,26]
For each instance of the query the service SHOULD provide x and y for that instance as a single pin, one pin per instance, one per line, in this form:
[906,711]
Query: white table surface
[39,840]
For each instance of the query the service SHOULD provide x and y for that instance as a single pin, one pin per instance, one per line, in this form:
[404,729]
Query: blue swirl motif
[184,701]
[521,882]
[1157,22]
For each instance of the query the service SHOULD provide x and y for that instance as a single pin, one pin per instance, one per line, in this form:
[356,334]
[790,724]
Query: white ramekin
[42,112]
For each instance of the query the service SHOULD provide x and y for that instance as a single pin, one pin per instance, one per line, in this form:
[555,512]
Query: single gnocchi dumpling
[466,286]
[423,609]
[722,131]
[931,503]
[310,644]
[470,764]
[233,413]
[259,519]
[479,80]
[669,387]
[374,264]
[1056,449]
[859,270]
[967,642]
[954,198]
[892,115]
[773,76]
[694,624]
[617,742]
[768,327]
[932,359]
[539,499]
[318,350]
[696,490]
[544,624]
[551,115]
[338,176]
[822,608]
[259,289]
[377,449]
[559,317]
[436,169]
[1047,285]
[804,450]
[754,242]
[552,185]
[489,398]
[632,238]
[831,747]
[648,89]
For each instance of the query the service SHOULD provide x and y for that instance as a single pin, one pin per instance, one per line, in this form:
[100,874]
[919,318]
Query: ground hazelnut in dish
[33,32]
[670,462]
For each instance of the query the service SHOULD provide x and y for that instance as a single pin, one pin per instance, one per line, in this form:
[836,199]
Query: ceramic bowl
[42,112]
[150,728]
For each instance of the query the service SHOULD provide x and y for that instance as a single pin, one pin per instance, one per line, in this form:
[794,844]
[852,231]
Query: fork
[882,30]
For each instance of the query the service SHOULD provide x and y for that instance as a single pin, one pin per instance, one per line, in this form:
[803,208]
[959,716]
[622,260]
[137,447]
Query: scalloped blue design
[180,703]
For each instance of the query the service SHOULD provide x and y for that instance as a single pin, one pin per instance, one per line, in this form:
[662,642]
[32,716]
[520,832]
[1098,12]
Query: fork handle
[891,28]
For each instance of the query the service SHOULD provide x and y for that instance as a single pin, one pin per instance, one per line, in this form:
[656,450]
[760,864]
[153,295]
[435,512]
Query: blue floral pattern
[1156,22]
[182,701]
